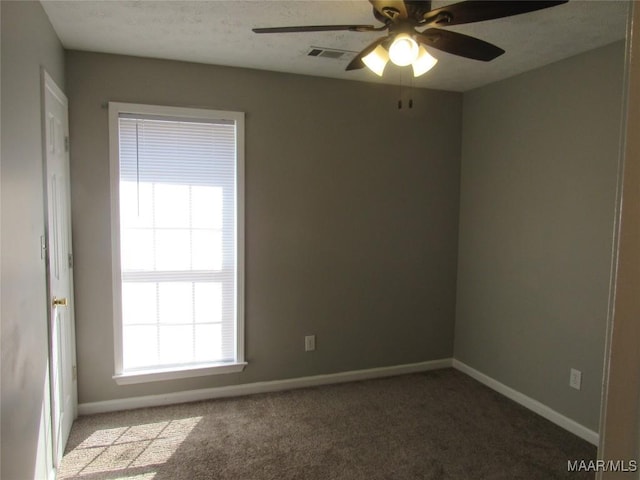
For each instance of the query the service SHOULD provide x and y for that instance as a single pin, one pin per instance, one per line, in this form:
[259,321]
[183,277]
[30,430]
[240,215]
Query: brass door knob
[59,302]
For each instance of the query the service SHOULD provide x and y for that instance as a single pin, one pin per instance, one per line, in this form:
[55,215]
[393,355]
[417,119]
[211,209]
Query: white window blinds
[178,237]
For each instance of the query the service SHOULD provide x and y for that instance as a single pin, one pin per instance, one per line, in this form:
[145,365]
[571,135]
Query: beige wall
[538,196]
[352,211]
[351,217]
[28,43]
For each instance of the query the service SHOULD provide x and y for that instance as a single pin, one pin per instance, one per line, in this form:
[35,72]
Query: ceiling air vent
[328,52]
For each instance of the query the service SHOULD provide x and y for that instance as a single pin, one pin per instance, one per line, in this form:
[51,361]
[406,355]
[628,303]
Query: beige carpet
[436,425]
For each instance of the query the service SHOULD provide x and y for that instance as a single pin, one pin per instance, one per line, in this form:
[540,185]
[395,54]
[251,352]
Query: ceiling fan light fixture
[377,60]
[423,63]
[404,50]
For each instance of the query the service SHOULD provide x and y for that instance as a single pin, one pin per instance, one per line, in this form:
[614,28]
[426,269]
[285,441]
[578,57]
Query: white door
[59,267]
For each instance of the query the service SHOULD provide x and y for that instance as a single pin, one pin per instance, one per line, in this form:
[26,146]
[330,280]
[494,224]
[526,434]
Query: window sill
[158,375]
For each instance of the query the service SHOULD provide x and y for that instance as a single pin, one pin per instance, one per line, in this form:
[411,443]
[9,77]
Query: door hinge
[66,144]
[74,372]
[71,260]
[43,248]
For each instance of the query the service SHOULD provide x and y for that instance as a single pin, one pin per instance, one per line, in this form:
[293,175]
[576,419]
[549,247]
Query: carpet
[435,425]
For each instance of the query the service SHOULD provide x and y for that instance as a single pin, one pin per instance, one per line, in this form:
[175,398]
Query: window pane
[136,205]
[207,250]
[173,250]
[171,206]
[176,344]
[208,343]
[136,249]
[140,346]
[208,302]
[139,303]
[175,302]
[206,203]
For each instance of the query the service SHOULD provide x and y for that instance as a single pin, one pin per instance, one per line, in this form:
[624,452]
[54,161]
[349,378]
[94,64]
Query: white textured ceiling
[219,32]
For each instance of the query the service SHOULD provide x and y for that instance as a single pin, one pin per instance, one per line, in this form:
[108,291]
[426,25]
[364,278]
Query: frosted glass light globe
[403,50]
[377,60]
[423,63]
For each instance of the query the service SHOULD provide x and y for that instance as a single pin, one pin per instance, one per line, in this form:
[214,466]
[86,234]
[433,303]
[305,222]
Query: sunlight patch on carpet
[136,448]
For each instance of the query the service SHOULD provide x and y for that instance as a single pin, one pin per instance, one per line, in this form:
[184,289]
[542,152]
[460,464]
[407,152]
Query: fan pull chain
[405,88]
[400,92]
[410,90]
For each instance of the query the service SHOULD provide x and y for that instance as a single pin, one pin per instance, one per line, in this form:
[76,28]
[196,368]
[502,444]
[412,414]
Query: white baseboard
[341,377]
[258,387]
[528,402]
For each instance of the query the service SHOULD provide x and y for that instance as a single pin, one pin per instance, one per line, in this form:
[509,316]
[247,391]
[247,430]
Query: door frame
[620,407]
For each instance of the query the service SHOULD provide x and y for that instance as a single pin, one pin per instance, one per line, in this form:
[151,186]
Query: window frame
[173,113]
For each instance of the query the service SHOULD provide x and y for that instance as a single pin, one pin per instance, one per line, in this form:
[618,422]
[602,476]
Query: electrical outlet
[575,379]
[309,343]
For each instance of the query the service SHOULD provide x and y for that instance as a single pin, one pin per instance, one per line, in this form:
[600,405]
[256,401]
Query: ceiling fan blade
[481,10]
[459,44]
[357,62]
[316,28]
[388,8]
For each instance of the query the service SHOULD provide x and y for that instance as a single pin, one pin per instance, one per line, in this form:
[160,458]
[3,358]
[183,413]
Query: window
[177,236]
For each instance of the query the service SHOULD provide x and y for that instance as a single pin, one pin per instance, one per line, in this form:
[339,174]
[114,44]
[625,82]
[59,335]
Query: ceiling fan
[405,44]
